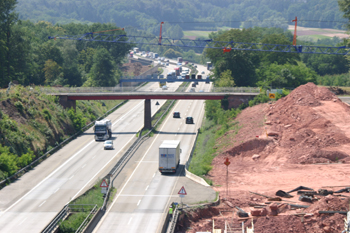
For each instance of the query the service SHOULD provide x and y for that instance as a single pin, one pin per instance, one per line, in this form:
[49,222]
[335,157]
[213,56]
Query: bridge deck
[138,95]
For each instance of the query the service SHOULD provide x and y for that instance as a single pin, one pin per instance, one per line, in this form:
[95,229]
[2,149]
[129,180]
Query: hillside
[148,14]
[307,145]
[32,123]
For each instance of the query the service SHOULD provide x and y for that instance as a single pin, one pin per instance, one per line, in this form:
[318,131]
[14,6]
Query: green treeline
[271,69]
[146,14]
[29,57]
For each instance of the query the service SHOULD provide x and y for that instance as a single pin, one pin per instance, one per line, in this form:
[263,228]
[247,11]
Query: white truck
[169,156]
[103,130]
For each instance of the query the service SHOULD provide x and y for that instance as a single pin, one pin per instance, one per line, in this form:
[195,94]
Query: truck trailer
[103,130]
[169,156]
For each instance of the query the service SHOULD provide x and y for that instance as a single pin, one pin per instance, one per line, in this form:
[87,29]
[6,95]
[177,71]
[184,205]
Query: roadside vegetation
[216,123]
[32,123]
[81,207]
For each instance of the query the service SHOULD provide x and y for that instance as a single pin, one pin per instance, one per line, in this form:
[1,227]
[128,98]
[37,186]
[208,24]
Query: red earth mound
[302,139]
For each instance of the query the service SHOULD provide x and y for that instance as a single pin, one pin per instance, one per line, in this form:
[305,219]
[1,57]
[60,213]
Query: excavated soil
[302,139]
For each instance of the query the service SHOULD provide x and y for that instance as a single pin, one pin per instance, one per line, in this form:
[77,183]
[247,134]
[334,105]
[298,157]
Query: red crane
[160,33]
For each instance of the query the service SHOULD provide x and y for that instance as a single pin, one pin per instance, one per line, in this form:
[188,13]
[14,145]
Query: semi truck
[169,156]
[179,60]
[208,65]
[103,130]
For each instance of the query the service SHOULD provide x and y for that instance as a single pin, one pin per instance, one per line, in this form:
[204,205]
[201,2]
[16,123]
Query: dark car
[176,115]
[189,120]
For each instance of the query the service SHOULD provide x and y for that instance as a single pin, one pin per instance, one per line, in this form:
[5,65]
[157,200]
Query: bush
[25,159]
[261,98]
[77,118]
[46,114]
[19,106]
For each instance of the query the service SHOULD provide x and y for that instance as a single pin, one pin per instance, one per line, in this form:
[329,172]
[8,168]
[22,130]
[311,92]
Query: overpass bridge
[68,96]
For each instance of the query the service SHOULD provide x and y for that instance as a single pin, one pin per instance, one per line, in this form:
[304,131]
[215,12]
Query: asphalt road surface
[31,202]
[143,193]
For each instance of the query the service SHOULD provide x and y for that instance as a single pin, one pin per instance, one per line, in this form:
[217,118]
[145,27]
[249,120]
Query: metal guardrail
[114,171]
[172,224]
[53,224]
[38,160]
[87,219]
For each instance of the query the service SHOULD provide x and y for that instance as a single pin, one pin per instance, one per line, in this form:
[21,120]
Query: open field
[194,34]
[303,33]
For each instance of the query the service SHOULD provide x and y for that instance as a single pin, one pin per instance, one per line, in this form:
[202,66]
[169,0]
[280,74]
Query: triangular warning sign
[104,184]
[182,191]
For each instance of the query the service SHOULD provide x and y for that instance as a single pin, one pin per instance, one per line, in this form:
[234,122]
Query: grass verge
[81,208]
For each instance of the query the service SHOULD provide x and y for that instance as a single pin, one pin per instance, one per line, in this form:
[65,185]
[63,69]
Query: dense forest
[29,57]
[147,14]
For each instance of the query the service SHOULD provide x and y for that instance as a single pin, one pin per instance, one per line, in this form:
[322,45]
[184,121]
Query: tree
[241,63]
[344,6]
[226,79]
[102,71]
[52,71]
[171,53]
[286,75]
[279,57]
[7,19]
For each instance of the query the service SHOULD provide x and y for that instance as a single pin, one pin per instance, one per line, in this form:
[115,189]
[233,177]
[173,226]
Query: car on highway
[167,63]
[192,89]
[164,88]
[176,115]
[203,72]
[108,145]
[200,91]
[189,120]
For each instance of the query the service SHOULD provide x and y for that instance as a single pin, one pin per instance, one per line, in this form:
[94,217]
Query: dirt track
[309,145]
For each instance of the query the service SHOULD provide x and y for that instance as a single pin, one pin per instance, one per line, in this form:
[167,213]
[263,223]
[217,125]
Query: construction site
[285,170]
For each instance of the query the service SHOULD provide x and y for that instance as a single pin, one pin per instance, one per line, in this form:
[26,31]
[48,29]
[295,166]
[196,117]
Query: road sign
[157,103]
[104,184]
[227,162]
[182,196]
[272,95]
[104,190]
[182,191]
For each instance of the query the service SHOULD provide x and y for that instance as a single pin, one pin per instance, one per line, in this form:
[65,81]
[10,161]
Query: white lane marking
[42,203]
[178,129]
[147,187]
[83,165]
[131,195]
[22,222]
[71,177]
[153,175]
[94,157]
[64,164]
[132,174]
[138,203]
[129,220]
[56,190]
[103,167]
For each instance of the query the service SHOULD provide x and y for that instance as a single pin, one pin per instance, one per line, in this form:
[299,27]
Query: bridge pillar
[148,117]
[67,103]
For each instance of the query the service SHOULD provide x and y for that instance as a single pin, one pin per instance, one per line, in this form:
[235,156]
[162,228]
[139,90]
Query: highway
[31,202]
[143,197]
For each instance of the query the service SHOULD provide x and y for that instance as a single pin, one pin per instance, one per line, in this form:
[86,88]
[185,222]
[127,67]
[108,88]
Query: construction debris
[282,193]
[300,188]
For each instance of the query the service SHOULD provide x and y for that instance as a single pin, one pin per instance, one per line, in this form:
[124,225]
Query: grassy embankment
[32,123]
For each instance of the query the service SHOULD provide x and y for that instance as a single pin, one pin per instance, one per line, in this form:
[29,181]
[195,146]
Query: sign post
[182,194]
[104,187]
[227,162]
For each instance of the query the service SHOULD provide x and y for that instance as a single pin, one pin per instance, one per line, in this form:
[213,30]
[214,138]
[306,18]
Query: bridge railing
[57,90]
